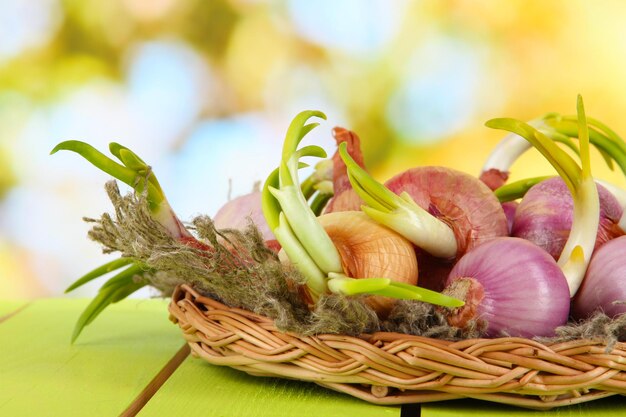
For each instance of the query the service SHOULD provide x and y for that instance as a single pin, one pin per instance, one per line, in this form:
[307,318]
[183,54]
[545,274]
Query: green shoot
[399,212]
[115,289]
[385,287]
[288,214]
[297,213]
[560,129]
[518,189]
[98,272]
[611,147]
[134,172]
[303,239]
[579,246]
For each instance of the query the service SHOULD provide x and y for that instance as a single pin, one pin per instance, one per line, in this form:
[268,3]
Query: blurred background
[204,90]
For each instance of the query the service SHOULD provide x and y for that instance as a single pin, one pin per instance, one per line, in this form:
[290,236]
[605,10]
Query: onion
[369,250]
[512,287]
[545,214]
[604,285]
[236,214]
[309,247]
[463,202]
[442,211]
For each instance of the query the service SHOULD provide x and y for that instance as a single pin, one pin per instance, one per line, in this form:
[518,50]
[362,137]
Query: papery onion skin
[604,285]
[525,291]
[467,205]
[370,250]
[544,216]
[345,198]
[494,178]
[237,213]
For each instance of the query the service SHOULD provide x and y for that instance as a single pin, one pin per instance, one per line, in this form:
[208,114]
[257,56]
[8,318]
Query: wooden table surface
[133,361]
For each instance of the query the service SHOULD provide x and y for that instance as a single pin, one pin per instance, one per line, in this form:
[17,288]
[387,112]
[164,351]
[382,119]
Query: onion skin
[369,250]
[467,205]
[544,216]
[494,178]
[345,198]
[517,289]
[236,214]
[604,283]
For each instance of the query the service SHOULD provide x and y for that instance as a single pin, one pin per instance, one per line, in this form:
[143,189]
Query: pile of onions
[462,202]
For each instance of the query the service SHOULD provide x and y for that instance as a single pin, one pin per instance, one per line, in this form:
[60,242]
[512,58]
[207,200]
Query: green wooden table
[133,361]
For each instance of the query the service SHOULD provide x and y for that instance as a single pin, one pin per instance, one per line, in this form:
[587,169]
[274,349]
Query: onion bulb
[236,214]
[463,202]
[604,285]
[544,216]
[369,250]
[512,287]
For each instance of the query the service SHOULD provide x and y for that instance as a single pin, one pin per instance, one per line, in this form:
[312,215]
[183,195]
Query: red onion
[512,286]
[604,285]
[545,214]
[463,202]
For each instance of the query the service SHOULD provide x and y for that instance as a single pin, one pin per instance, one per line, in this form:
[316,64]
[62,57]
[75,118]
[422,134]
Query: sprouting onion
[136,173]
[400,212]
[560,129]
[304,240]
[544,216]
[579,246]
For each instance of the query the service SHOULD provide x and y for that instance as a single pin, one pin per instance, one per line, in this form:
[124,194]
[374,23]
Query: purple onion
[604,285]
[544,216]
[512,286]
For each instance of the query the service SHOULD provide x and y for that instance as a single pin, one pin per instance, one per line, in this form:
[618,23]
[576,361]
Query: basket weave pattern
[392,368]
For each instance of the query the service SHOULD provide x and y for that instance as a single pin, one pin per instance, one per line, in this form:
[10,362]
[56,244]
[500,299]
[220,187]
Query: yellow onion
[369,250]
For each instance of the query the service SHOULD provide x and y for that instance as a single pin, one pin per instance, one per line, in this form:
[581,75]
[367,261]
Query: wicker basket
[392,368]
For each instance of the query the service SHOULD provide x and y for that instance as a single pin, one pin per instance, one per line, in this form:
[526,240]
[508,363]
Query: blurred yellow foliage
[415,80]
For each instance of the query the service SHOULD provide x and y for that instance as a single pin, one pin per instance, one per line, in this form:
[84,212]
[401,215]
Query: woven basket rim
[396,368]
